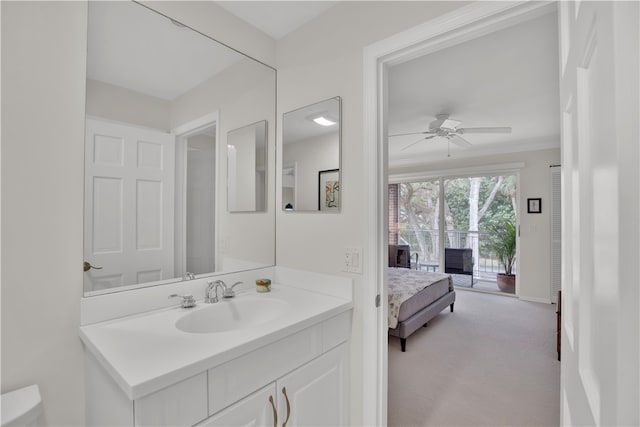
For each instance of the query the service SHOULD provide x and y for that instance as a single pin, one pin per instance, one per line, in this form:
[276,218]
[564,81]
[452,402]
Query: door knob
[86,266]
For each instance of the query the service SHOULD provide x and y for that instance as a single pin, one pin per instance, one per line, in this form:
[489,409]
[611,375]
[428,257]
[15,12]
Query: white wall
[43,99]
[534,269]
[320,60]
[43,80]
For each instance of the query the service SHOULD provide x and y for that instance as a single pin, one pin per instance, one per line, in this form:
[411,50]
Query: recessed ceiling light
[323,121]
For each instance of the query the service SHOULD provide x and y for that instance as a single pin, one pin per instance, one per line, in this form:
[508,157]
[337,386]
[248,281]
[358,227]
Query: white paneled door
[129,208]
[599,100]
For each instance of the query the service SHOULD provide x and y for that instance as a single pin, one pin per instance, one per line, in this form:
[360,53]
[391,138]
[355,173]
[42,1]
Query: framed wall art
[534,205]
[329,190]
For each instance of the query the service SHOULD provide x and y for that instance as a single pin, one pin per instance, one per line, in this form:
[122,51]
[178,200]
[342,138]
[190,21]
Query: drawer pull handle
[275,413]
[284,391]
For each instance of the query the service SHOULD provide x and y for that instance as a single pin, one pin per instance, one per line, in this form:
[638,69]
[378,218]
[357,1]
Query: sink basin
[228,315]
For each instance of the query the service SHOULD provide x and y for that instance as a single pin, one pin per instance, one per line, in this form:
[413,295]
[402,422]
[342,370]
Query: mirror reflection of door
[129,211]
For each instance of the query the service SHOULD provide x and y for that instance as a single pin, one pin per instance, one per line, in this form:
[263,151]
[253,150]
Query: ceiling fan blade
[414,133]
[460,141]
[414,143]
[484,130]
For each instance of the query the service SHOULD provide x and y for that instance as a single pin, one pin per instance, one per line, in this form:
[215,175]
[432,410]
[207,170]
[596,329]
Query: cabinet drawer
[184,403]
[237,378]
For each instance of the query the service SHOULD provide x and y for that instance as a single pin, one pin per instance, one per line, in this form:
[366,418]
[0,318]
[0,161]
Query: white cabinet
[300,378]
[316,393]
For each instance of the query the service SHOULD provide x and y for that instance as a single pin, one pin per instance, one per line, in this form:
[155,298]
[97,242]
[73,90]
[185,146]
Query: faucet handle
[229,292]
[237,283]
[211,287]
[188,301]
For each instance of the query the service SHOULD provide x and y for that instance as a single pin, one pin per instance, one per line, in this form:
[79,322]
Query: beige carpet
[492,362]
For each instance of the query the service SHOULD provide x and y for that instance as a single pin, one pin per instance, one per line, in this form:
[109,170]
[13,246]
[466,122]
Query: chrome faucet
[212,287]
[187,301]
[227,291]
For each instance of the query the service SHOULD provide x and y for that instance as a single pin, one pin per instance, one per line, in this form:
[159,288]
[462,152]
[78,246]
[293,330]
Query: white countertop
[145,353]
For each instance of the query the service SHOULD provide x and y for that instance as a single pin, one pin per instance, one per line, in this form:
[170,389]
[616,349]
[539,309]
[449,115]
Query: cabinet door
[316,394]
[258,409]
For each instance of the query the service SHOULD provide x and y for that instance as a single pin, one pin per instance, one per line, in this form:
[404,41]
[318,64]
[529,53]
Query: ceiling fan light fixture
[450,124]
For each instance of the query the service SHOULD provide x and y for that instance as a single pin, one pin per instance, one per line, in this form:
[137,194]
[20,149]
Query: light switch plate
[353,260]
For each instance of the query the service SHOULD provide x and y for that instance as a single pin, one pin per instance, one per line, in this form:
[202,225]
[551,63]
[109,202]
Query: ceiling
[506,78]
[276,18]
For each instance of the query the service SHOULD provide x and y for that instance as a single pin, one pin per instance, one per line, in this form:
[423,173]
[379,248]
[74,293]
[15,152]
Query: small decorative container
[263,285]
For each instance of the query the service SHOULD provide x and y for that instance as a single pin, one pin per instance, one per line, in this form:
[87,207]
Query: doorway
[196,196]
[467,23]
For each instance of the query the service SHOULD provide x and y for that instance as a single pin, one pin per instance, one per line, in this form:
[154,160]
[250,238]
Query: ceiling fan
[448,128]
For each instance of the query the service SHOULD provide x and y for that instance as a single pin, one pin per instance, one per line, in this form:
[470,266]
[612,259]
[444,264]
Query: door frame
[466,23]
[182,132]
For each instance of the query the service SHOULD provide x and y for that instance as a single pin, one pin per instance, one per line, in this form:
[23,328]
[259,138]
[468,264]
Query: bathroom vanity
[227,363]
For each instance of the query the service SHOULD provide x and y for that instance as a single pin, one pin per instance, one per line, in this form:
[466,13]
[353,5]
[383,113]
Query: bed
[415,297]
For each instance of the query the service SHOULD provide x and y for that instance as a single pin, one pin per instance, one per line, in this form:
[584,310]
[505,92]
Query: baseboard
[534,299]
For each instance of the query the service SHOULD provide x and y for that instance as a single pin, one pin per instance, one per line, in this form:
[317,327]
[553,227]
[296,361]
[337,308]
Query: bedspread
[404,283]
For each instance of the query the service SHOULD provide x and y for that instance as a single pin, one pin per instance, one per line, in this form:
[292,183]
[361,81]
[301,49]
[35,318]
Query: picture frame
[534,205]
[329,190]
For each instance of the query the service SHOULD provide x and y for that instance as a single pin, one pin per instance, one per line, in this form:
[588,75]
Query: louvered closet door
[129,204]
[556,234]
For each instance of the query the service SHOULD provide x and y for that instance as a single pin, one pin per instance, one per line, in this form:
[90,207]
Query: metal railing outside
[426,246]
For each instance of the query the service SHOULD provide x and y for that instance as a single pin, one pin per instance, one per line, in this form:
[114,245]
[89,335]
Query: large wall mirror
[311,174]
[162,100]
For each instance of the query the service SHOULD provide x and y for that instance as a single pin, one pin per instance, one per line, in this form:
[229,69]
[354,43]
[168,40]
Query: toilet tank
[22,407]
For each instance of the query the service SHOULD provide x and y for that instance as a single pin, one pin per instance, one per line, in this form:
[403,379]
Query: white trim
[182,132]
[374,406]
[465,23]
[459,172]
[196,124]
[535,299]
[124,123]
